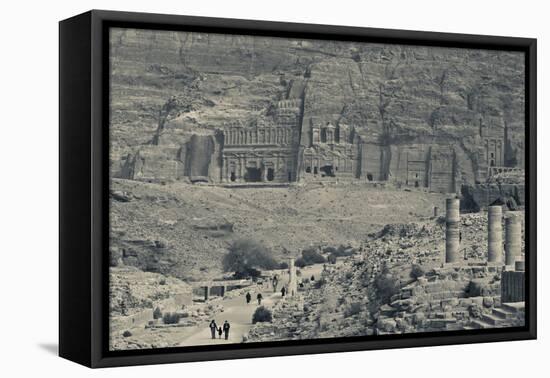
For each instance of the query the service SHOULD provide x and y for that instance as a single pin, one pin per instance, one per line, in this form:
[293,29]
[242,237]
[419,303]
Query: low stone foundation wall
[513,287]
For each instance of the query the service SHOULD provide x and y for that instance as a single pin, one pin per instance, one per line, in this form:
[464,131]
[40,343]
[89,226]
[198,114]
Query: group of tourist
[224,329]
[259,298]
[219,330]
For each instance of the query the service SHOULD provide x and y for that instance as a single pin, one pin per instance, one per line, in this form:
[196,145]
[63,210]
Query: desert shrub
[162,281]
[171,318]
[341,251]
[127,333]
[331,258]
[283,265]
[262,314]
[386,286]
[300,262]
[329,249]
[157,313]
[312,256]
[320,283]
[246,257]
[353,309]
[416,271]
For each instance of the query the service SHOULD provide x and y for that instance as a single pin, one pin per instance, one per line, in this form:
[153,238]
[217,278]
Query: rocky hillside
[193,82]
[184,230]
[397,285]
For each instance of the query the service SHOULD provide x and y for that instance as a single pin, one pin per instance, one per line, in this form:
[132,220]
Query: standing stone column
[292,281]
[436,211]
[494,247]
[452,234]
[512,244]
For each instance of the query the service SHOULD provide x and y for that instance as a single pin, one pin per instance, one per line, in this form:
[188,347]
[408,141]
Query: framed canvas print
[234,188]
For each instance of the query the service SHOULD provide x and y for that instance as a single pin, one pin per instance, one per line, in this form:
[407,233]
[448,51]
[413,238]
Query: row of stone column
[266,135]
[512,244]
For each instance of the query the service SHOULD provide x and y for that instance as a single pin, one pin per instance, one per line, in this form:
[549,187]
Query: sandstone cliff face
[396,97]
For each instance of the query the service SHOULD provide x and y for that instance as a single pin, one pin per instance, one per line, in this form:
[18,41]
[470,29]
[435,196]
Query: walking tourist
[259,297]
[226,327]
[213,328]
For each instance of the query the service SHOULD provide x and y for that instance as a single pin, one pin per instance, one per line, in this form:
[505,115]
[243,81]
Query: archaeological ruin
[281,146]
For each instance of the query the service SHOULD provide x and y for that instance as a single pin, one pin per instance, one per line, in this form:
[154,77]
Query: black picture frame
[84,174]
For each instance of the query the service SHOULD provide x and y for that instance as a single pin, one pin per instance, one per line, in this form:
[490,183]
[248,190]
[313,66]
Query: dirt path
[239,314]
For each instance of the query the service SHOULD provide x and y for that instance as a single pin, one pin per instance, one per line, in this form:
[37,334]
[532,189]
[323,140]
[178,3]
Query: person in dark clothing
[226,327]
[248,298]
[213,328]
[259,297]
[220,331]
[283,291]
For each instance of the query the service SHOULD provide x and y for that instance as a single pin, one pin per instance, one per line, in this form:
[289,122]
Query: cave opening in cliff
[308,169]
[369,176]
[315,170]
[253,175]
[233,177]
[326,170]
[323,135]
[270,174]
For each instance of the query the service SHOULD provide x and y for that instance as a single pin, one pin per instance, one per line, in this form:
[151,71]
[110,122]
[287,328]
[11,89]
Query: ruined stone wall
[154,163]
[483,195]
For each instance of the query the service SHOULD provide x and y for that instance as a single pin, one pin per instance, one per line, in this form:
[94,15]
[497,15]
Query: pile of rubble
[430,295]
[332,306]
[447,298]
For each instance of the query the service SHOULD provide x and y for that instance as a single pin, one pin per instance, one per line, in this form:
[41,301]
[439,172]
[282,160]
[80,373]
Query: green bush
[331,258]
[416,271]
[262,314]
[127,333]
[171,318]
[157,313]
